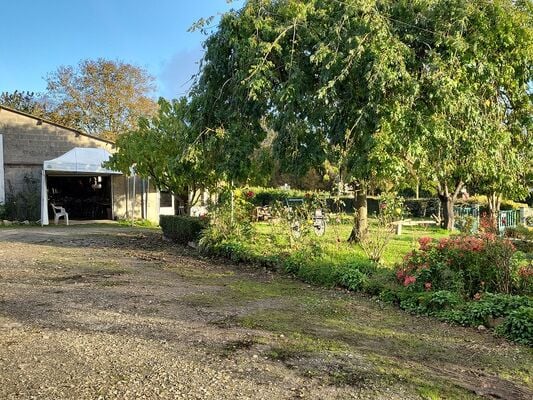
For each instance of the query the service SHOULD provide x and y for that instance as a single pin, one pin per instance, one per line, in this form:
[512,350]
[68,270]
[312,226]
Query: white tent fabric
[44,200]
[79,160]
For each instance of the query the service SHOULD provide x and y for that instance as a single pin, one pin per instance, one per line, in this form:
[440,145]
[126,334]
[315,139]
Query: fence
[468,217]
[508,219]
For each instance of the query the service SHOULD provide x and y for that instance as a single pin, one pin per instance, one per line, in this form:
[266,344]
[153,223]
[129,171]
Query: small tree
[166,149]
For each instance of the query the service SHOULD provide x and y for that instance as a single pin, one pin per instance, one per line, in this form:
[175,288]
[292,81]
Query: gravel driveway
[90,312]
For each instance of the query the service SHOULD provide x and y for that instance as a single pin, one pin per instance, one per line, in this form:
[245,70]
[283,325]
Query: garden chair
[58,213]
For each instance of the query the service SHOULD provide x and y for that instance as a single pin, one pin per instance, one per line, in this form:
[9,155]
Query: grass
[362,343]
[273,239]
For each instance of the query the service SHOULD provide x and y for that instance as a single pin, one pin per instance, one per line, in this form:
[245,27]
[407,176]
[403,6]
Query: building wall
[123,193]
[28,142]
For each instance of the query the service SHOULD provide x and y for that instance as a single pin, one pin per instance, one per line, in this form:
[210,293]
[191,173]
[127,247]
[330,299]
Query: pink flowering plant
[466,264]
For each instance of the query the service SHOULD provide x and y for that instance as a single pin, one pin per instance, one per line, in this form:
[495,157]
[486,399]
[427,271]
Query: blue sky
[37,36]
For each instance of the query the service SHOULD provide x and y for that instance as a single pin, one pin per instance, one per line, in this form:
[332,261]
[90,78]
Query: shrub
[375,243]
[24,204]
[468,265]
[354,276]
[518,326]
[519,232]
[182,229]
[268,196]
[229,221]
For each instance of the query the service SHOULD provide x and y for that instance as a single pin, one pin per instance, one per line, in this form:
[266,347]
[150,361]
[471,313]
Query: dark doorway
[83,197]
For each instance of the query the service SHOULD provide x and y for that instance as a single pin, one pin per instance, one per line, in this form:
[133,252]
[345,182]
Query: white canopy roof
[81,160]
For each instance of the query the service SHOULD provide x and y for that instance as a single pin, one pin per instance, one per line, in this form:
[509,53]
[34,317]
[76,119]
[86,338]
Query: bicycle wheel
[296,232]
[319,226]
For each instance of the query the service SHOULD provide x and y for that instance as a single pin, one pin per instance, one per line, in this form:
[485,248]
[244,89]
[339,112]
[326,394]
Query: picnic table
[410,222]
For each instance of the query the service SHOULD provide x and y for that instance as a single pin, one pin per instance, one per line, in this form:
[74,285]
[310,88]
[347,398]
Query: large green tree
[381,89]
[470,120]
[319,74]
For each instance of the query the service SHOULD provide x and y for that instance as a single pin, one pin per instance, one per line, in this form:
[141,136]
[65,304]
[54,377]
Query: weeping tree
[380,89]
[321,75]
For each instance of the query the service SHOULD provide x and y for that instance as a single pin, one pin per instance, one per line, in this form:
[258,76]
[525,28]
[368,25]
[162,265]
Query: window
[165,199]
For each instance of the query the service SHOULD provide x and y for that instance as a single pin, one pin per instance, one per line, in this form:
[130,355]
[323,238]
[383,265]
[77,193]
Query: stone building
[31,153]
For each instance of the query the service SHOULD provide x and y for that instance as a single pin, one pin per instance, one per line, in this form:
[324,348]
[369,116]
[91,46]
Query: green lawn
[273,239]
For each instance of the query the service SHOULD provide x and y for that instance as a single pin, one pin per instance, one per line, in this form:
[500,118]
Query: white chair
[58,213]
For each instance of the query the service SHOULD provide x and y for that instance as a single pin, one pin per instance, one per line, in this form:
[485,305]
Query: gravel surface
[110,313]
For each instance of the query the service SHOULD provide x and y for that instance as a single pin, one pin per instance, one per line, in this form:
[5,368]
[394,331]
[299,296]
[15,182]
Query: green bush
[467,265]
[518,326]
[519,232]
[268,196]
[24,204]
[182,229]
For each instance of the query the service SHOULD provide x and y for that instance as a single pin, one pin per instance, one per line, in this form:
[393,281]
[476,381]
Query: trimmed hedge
[267,196]
[182,229]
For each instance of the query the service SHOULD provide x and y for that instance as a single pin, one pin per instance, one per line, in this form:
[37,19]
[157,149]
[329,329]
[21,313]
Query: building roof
[46,121]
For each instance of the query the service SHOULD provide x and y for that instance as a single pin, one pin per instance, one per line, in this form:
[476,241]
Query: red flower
[250,194]
[408,280]
[400,274]
[425,242]
[427,286]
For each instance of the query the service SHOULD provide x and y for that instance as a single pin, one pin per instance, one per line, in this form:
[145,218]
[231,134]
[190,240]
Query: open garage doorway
[83,197]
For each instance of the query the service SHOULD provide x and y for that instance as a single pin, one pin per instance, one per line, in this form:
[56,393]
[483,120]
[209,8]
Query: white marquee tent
[78,161]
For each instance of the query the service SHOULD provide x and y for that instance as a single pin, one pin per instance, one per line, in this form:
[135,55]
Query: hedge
[182,229]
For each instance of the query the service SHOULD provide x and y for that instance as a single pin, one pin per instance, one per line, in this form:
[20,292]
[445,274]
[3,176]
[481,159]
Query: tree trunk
[448,219]
[494,200]
[360,228]
[447,200]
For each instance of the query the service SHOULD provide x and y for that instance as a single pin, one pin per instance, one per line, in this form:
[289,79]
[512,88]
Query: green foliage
[519,232]
[24,204]
[353,277]
[230,219]
[165,149]
[518,326]
[442,98]
[268,196]
[182,229]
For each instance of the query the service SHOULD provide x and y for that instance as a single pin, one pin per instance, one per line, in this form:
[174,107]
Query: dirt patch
[112,312]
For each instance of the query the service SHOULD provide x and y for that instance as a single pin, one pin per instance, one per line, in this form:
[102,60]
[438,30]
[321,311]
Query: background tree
[28,102]
[471,116]
[101,97]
